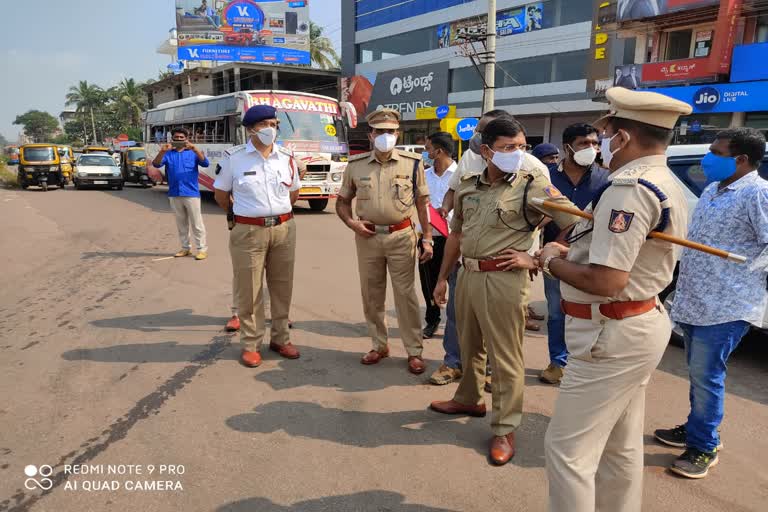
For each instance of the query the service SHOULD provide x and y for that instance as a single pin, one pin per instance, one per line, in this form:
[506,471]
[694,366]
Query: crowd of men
[474,229]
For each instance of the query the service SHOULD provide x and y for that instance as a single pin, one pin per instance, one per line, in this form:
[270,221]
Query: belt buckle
[472,265]
[270,222]
[382,230]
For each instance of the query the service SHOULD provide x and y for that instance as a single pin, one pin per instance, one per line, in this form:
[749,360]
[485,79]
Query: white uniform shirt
[260,187]
[438,187]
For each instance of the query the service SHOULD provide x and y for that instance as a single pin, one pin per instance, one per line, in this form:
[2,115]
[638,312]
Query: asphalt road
[115,358]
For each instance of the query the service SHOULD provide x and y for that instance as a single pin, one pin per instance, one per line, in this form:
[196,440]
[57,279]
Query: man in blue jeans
[716,300]
[578,177]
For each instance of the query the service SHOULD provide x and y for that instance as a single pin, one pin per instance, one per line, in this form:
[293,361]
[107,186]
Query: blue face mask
[553,167]
[718,168]
[428,162]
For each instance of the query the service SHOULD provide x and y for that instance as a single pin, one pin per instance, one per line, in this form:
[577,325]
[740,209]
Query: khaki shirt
[384,191]
[490,216]
[625,215]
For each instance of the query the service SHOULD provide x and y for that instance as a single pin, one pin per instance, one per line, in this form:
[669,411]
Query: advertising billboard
[528,18]
[715,98]
[271,31]
[637,9]
[746,62]
[632,76]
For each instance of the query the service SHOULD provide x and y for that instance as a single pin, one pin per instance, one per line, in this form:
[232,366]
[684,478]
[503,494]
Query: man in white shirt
[263,179]
[439,147]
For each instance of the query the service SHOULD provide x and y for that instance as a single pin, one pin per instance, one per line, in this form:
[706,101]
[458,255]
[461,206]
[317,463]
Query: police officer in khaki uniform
[263,181]
[615,329]
[493,228]
[388,185]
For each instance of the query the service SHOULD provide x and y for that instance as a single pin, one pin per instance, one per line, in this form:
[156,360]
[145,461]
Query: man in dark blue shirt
[181,159]
[578,177]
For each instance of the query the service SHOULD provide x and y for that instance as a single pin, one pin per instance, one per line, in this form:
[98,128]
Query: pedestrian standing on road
[615,329]
[579,178]
[439,146]
[181,160]
[264,182]
[389,185]
[493,228]
[716,300]
[470,166]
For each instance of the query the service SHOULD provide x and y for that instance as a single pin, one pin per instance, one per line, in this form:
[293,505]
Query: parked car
[413,148]
[98,170]
[685,163]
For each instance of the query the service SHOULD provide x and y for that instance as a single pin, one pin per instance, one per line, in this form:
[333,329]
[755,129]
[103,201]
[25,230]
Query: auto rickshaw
[40,165]
[67,157]
[134,167]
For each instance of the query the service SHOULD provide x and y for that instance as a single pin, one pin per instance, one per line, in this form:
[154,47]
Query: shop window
[465,79]
[571,66]
[537,70]
[575,11]
[761,34]
[679,44]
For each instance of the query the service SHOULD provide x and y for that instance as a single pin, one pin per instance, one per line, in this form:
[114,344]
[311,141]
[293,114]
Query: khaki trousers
[395,252]
[594,443]
[256,251]
[491,306]
[189,216]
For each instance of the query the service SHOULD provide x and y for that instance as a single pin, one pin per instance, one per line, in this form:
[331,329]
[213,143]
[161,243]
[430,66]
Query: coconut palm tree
[321,49]
[85,97]
[131,101]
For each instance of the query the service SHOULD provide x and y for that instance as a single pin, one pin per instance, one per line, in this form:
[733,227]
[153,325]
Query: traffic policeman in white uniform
[263,179]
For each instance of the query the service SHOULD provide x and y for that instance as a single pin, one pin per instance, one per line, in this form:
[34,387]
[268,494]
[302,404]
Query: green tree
[131,102]
[87,98]
[321,49]
[38,125]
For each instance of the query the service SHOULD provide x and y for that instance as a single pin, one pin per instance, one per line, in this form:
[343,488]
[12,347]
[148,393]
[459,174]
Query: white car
[685,163]
[98,170]
[413,148]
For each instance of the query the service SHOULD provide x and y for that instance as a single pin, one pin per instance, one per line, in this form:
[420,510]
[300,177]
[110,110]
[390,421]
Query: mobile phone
[178,143]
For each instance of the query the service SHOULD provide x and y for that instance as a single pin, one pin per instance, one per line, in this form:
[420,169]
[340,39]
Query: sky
[48,45]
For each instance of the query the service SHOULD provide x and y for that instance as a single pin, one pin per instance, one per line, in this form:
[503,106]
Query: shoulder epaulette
[409,154]
[631,176]
[359,157]
[285,151]
[234,149]
[468,176]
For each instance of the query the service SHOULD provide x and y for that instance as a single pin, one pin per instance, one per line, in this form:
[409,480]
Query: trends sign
[738,97]
[407,90]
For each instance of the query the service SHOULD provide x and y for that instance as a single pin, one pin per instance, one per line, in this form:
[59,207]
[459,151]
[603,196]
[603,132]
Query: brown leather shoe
[288,351]
[502,448]
[374,356]
[454,407]
[250,359]
[416,365]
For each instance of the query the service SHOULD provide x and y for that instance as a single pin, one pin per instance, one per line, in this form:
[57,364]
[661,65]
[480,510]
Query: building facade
[708,53]
[413,55]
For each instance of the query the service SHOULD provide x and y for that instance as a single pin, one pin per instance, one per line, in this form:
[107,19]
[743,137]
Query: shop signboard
[627,10]
[528,18]
[721,98]
[675,70]
[748,62]
[407,90]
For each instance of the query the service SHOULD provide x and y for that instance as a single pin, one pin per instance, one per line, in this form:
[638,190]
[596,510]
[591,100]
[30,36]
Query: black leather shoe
[429,330]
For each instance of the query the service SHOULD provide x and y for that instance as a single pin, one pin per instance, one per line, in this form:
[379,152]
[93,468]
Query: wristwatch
[428,241]
[545,265]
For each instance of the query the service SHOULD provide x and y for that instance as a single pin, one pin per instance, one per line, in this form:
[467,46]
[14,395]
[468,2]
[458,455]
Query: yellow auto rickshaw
[133,164]
[40,165]
[67,158]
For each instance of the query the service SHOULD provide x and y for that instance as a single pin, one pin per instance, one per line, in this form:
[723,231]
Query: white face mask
[385,142]
[508,162]
[605,150]
[266,135]
[585,157]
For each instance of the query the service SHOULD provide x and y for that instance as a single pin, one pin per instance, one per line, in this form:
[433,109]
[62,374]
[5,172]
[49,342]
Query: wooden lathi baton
[654,234]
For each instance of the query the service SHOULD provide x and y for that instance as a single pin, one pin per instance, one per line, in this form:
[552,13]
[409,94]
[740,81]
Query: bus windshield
[39,154]
[312,127]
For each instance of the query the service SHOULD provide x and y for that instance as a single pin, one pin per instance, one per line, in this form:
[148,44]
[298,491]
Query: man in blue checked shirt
[716,300]
[181,160]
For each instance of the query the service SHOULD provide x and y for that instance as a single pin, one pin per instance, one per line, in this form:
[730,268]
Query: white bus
[313,126]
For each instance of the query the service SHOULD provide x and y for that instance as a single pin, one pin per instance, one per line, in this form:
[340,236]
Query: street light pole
[490,64]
